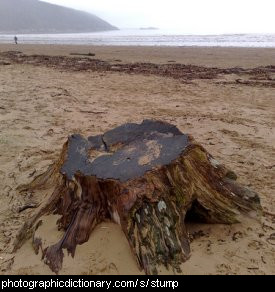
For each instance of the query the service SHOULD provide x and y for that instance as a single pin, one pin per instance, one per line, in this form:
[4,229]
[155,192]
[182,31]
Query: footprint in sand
[100,266]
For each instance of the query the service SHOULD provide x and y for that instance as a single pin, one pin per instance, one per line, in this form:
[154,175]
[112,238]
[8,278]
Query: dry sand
[41,106]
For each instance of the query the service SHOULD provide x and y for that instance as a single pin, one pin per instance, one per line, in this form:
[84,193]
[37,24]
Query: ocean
[143,37]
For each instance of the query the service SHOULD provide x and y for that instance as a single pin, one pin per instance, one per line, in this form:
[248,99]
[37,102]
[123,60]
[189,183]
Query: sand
[40,106]
[202,56]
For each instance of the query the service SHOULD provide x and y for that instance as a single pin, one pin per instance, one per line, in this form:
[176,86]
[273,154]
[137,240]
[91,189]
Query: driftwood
[148,178]
[83,54]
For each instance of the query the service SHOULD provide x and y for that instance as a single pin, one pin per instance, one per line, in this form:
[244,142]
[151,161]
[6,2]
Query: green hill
[33,16]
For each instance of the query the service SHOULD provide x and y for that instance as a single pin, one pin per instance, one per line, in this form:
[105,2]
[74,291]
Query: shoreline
[202,56]
[260,76]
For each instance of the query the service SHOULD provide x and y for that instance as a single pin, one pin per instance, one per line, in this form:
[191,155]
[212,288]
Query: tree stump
[147,178]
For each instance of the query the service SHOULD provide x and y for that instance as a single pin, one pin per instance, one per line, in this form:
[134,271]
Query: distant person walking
[15,40]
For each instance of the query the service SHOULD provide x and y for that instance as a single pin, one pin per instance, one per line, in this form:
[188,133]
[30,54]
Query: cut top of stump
[126,152]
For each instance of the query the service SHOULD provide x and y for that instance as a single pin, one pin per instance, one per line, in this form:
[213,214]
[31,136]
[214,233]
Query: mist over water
[138,37]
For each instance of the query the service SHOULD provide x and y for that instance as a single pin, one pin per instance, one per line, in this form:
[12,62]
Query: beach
[223,97]
[202,56]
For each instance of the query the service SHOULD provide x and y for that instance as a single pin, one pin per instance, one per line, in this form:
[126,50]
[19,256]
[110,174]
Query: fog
[187,16]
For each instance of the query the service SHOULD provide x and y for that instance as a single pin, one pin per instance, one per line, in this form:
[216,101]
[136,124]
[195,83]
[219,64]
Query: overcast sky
[188,16]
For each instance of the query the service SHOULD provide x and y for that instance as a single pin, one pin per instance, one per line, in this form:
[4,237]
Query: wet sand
[201,56]
[232,115]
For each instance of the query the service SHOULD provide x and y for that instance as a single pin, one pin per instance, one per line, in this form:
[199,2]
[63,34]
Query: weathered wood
[148,178]
[83,54]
